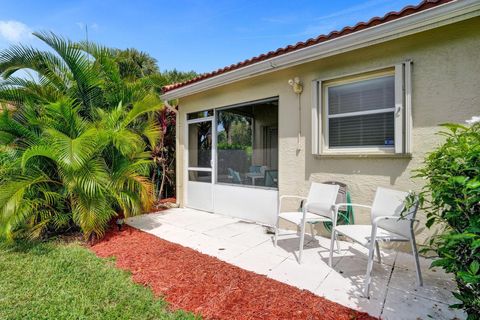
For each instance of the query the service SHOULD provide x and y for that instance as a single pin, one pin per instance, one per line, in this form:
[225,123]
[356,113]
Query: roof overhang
[425,20]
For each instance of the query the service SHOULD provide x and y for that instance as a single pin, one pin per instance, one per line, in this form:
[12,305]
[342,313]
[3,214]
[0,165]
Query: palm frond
[150,103]
[87,78]
[14,208]
[24,136]
[92,214]
[74,153]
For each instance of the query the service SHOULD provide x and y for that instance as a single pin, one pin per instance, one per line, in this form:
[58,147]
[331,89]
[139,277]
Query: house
[360,106]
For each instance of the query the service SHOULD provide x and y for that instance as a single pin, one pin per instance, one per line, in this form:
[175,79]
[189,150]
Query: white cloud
[14,31]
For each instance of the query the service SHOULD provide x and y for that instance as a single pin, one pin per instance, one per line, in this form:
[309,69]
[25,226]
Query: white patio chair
[387,225]
[318,207]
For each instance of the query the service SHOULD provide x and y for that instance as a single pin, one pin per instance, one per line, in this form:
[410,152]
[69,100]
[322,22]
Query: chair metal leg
[275,236]
[334,225]
[338,243]
[276,231]
[332,244]
[302,240]
[312,230]
[369,271]
[371,253]
[377,247]
[415,256]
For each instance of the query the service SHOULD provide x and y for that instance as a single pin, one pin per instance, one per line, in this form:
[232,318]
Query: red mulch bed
[204,285]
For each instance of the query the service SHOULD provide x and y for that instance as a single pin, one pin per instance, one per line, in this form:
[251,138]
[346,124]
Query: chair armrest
[338,205]
[379,218]
[290,196]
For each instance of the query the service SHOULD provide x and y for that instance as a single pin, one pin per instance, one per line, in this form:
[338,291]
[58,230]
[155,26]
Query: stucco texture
[445,85]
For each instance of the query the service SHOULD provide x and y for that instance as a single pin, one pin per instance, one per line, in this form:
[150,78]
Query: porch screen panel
[247,144]
[361,113]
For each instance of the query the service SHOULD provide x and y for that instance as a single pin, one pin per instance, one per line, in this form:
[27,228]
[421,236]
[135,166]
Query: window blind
[372,94]
[361,114]
[362,131]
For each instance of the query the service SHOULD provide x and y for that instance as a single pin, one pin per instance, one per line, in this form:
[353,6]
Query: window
[360,113]
[247,144]
[366,113]
[200,114]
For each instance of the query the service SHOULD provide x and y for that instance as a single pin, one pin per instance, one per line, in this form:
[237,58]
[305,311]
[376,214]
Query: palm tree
[76,150]
[135,64]
[174,76]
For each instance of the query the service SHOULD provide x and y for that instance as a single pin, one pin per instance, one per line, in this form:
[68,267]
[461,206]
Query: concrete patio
[394,294]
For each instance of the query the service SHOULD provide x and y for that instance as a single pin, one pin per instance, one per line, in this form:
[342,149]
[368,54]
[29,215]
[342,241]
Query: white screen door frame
[200,164]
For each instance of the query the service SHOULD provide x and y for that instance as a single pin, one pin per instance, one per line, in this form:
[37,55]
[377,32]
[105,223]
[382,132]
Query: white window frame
[402,111]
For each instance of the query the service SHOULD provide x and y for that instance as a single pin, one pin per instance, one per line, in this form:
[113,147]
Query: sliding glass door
[200,161]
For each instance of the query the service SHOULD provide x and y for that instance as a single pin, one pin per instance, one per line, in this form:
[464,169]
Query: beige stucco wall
[446,88]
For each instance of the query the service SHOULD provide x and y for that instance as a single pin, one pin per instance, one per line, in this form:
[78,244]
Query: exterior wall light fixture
[296,84]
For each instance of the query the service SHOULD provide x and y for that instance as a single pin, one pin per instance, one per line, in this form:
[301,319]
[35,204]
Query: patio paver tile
[175,234]
[151,224]
[219,248]
[436,285]
[405,260]
[251,238]
[321,246]
[348,292]
[185,217]
[400,305]
[287,247]
[209,224]
[233,229]
[346,282]
[252,261]
[306,276]
[388,256]
[145,223]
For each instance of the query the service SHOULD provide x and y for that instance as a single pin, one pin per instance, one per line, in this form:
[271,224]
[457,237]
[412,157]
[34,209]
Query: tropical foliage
[163,173]
[452,200]
[77,149]
[134,64]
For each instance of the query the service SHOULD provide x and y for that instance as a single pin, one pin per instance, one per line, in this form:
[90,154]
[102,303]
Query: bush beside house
[452,200]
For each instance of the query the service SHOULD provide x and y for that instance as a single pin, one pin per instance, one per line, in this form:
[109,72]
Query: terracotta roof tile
[393,15]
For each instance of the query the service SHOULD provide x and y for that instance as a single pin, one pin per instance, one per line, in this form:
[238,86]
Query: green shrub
[451,199]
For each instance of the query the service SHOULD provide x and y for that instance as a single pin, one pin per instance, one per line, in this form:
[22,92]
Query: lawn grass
[67,281]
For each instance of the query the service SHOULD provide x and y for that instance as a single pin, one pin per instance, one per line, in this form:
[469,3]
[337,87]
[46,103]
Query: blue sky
[187,34]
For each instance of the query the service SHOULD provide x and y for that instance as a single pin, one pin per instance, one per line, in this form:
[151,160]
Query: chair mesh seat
[362,234]
[296,217]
